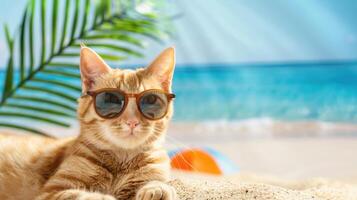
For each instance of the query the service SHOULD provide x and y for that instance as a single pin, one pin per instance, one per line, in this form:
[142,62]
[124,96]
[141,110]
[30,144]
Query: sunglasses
[111,102]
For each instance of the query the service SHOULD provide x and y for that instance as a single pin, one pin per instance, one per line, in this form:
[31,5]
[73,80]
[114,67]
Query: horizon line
[263,63]
[346,62]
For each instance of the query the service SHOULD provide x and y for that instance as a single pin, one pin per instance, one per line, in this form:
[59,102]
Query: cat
[116,158]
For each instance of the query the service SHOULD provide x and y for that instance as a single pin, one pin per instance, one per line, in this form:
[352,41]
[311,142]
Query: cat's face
[130,129]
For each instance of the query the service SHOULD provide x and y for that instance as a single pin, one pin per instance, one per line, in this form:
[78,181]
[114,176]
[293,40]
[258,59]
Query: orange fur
[102,162]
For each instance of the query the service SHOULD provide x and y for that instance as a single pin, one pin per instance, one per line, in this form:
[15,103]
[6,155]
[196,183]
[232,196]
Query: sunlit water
[286,92]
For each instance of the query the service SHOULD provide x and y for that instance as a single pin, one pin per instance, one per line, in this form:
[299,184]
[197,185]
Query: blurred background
[271,85]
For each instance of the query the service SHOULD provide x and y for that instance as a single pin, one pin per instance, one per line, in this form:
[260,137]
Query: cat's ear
[162,68]
[91,66]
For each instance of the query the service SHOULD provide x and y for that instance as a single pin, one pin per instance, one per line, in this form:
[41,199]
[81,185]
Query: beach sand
[266,150]
[276,168]
[291,158]
[252,187]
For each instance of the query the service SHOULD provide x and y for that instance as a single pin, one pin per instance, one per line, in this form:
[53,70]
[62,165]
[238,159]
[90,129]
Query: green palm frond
[41,82]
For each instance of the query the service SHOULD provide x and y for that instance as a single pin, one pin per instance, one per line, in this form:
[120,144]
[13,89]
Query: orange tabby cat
[113,157]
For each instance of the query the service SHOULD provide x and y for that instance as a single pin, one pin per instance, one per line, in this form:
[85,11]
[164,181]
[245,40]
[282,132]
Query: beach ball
[203,160]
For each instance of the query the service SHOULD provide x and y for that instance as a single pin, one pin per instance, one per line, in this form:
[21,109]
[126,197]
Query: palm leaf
[30,30]
[54,25]
[105,56]
[75,19]
[22,46]
[114,47]
[43,30]
[34,117]
[32,108]
[65,21]
[51,92]
[48,84]
[58,83]
[115,36]
[34,100]
[23,128]
[10,66]
[64,64]
[61,73]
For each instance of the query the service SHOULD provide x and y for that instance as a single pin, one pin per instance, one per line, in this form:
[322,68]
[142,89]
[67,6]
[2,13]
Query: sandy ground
[280,149]
[296,158]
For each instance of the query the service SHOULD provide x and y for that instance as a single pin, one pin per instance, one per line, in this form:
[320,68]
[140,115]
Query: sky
[241,31]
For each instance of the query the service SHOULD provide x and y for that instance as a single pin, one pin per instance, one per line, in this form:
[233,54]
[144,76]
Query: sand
[251,187]
[292,158]
[284,168]
[322,165]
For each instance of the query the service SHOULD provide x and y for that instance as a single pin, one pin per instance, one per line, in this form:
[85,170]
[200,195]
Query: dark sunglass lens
[153,105]
[109,104]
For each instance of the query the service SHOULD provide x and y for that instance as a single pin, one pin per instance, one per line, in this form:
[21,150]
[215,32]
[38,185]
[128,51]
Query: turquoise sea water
[322,92]
[287,92]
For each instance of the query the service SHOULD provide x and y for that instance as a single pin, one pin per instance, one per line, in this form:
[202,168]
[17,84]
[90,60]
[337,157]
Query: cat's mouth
[124,132]
[129,133]
[125,137]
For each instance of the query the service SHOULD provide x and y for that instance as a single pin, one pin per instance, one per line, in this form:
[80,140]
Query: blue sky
[232,31]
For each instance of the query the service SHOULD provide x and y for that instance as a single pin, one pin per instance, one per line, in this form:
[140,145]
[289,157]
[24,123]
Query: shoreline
[228,130]
[260,128]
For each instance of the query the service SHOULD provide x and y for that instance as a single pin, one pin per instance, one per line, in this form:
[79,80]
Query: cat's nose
[132,123]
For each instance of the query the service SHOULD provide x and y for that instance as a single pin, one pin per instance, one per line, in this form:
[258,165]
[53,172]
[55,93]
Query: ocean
[293,92]
[323,92]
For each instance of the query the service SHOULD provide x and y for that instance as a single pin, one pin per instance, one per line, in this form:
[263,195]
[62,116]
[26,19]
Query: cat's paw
[156,190]
[94,196]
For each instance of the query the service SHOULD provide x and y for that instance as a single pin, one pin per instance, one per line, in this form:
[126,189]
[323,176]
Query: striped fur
[103,162]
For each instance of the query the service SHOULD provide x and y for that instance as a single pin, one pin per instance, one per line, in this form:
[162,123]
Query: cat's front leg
[74,194]
[78,178]
[156,190]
